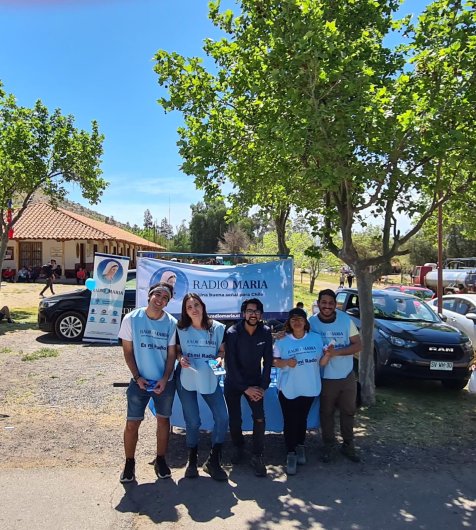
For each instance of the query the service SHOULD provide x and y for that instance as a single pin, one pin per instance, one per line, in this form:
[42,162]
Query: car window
[340,299]
[462,307]
[403,308]
[449,304]
[424,294]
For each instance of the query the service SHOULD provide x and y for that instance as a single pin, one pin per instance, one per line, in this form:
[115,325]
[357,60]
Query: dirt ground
[63,413]
[64,410]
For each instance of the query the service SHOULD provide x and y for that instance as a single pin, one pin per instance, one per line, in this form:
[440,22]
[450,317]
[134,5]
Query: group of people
[314,357]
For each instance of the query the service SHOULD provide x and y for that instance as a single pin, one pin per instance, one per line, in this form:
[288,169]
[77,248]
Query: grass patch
[42,353]
[6,350]
[25,318]
[421,413]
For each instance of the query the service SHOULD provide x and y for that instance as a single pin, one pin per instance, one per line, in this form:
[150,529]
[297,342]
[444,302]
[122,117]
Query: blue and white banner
[107,298]
[222,288]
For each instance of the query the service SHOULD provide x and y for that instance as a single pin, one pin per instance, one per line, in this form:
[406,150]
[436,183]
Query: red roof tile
[41,221]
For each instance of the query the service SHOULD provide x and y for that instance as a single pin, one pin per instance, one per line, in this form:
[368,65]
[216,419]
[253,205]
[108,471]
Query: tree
[148,220]
[42,152]
[234,241]
[207,225]
[165,229]
[311,105]
[181,240]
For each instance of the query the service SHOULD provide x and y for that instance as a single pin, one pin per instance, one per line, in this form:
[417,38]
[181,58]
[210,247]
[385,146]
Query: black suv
[66,314]
[411,340]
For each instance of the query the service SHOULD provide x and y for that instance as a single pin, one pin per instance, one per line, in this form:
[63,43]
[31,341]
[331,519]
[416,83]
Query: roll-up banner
[222,288]
[107,298]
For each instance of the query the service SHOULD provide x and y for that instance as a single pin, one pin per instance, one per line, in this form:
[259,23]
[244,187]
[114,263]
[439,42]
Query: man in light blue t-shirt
[148,342]
[339,388]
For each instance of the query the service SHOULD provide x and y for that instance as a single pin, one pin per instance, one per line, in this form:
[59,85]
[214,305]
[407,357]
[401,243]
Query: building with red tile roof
[44,233]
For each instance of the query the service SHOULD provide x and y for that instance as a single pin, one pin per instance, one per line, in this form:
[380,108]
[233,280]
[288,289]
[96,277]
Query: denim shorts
[137,400]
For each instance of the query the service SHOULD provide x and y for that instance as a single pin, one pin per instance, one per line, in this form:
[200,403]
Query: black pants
[295,413]
[233,402]
[49,285]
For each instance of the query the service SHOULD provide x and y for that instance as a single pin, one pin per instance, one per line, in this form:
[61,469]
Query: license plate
[441,365]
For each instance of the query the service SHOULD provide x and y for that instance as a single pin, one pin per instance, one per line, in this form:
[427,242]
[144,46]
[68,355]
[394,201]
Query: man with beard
[248,359]
[341,341]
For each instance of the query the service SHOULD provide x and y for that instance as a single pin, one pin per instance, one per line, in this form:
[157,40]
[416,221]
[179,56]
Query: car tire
[454,384]
[70,326]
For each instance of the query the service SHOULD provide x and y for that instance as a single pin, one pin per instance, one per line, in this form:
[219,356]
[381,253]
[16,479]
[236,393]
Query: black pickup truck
[411,340]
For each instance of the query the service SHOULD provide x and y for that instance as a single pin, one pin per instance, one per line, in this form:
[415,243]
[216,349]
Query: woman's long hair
[185,321]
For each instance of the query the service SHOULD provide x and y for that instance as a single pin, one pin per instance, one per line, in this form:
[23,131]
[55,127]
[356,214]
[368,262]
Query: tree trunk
[312,282]
[366,360]
[3,249]
[280,221]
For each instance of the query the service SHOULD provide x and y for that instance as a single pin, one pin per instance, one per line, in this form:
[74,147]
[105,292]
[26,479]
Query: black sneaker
[257,464]
[349,451]
[128,475]
[162,470]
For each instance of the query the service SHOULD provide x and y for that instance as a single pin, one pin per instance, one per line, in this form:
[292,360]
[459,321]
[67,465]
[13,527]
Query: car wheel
[70,326]
[454,384]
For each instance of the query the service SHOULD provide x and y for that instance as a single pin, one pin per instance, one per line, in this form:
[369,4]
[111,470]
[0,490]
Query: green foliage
[40,151]
[307,107]
[42,353]
[181,240]
[208,225]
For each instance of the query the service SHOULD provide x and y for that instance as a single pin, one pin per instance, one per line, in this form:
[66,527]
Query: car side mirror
[443,317]
[353,311]
[471,316]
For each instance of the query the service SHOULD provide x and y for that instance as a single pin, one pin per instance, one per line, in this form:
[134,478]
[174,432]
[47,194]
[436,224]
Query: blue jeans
[138,399]
[191,413]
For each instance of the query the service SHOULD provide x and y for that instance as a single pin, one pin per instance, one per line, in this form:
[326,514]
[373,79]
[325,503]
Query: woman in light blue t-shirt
[299,356]
[200,345]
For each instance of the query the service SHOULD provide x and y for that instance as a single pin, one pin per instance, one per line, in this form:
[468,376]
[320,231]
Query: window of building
[30,254]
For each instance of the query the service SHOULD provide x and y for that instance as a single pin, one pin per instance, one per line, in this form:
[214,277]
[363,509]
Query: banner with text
[107,298]
[222,288]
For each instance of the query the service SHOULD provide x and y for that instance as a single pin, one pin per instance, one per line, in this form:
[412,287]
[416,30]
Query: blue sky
[94,59]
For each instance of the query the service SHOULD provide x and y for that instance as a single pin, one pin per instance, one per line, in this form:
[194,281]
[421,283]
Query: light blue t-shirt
[199,346]
[339,331]
[305,378]
[151,339]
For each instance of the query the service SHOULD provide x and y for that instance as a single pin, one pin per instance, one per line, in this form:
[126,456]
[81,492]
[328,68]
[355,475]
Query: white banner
[107,298]
[222,288]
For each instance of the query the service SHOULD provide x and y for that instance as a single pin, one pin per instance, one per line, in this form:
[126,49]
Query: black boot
[213,466]
[192,471]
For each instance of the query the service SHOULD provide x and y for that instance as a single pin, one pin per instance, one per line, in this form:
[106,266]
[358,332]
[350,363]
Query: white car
[460,311]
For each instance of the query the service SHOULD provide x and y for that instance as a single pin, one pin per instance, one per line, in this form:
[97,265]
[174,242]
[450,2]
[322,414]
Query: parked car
[460,312]
[420,292]
[66,314]
[411,340]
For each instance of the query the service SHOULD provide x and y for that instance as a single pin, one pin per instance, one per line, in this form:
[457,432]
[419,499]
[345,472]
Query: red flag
[9,220]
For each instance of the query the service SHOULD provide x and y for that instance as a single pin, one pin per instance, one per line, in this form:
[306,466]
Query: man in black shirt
[49,271]
[248,359]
